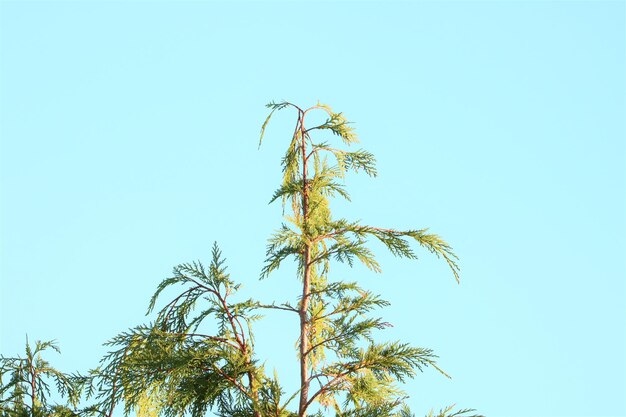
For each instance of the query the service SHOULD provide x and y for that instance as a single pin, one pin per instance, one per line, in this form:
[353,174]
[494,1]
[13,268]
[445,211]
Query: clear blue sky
[129,144]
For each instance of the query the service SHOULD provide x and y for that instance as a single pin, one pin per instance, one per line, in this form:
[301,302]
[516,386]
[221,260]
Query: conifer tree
[198,355]
[25,385]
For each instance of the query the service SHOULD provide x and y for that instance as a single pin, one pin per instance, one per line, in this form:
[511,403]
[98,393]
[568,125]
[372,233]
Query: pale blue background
[129,144]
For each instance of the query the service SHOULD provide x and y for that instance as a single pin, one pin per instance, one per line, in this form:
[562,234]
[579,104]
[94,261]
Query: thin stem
[275,307]
[232,381]
[306,278]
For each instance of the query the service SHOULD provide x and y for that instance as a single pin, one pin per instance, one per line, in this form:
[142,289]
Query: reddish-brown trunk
[304,305]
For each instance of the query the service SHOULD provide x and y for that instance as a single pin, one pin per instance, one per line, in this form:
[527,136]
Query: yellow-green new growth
[343,369]
[332,329]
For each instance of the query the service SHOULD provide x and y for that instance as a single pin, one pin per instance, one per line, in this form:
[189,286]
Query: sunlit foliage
[198,356]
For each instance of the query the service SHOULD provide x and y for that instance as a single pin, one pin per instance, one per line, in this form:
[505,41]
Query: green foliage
[342,367]
[450,412]
[198,354]
[191,371]
[25,384]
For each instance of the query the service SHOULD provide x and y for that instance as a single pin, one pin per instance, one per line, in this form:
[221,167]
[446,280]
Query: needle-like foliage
[342,367]
[26,384]
[198,355]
